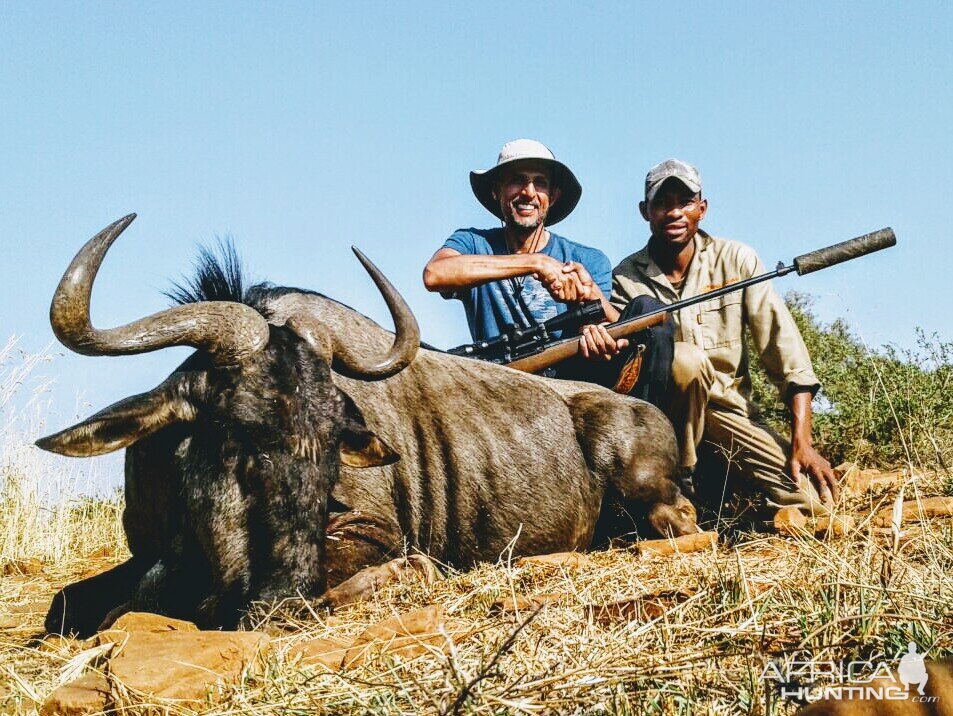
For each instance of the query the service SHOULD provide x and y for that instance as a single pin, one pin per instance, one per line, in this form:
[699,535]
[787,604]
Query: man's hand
[588,290]
[568,282]
[595,343]
[806,461]
[564,286]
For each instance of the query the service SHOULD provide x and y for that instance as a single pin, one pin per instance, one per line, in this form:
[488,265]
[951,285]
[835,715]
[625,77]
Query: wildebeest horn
[228,331]
[406,339]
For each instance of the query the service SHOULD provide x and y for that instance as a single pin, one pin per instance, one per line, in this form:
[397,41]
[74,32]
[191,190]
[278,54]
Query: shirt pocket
[721,321]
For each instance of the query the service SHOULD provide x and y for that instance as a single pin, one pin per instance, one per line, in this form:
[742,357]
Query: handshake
[566,282]
[570,283]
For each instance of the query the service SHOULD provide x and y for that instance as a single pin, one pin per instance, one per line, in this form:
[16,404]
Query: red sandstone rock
[327,651]
[407,635]
[86,695]
[526,603]
[177,665]
[685,543]
[569,560]
[914,511]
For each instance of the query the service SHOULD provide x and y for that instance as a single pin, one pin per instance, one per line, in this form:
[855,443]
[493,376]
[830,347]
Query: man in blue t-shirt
[522,274]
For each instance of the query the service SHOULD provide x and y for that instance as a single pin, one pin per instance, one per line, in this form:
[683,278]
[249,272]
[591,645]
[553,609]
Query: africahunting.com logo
[808,679]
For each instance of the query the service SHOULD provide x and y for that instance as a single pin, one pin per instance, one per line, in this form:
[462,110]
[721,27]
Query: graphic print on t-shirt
[537,299]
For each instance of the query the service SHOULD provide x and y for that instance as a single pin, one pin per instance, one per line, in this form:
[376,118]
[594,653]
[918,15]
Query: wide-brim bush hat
[482,182]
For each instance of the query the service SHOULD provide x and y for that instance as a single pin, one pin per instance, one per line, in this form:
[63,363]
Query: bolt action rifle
[534,349]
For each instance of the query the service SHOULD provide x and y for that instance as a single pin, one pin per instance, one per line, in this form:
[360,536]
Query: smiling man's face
[525,193]
[674,213]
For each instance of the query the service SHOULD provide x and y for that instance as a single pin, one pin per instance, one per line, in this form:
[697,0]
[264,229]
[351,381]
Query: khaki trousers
[756,451]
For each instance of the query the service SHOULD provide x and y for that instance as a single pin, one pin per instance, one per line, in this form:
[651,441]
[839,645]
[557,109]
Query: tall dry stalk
[49,509]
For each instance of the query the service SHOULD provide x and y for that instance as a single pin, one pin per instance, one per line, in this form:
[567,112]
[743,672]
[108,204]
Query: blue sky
[302,128]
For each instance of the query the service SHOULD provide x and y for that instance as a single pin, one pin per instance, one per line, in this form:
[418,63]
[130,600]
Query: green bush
[881,407]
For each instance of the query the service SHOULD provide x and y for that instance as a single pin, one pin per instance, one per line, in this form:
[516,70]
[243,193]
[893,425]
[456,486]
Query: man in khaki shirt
[710,393]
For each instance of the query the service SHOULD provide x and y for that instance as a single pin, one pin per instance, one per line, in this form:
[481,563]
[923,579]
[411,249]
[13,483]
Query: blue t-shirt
[494,305]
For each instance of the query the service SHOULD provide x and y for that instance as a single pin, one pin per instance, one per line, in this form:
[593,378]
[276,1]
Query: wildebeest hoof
[366,583]
[69,614]
[676,520]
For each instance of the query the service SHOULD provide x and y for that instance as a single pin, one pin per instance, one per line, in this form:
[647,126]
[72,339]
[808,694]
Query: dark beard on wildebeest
[256,489]
[293,405]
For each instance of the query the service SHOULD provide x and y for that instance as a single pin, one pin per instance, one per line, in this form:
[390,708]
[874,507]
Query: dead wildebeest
[295,406]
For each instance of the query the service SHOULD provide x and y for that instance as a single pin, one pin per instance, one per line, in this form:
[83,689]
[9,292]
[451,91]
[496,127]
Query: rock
[408,635]
[568,560]
[180,665]
[26,567]
[685,543]
[328,652]
[86,695]
[643,608]
[790,521]
[28,609]
[97,566]
[913,511]
[183,665]
[846,474]
[857,482]
[104,552]
[526,604]
[139,622]
[57,644]
[833,526]
[145,621]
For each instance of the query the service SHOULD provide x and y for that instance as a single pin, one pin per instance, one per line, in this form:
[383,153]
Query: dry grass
[756,598]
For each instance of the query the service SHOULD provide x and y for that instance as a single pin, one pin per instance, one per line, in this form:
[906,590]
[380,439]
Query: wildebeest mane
[218,276]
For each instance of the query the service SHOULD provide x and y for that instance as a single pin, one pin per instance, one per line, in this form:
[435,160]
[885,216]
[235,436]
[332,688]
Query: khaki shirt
[717,325]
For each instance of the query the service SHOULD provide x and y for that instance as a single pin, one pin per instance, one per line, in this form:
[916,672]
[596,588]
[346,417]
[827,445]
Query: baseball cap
[671,169]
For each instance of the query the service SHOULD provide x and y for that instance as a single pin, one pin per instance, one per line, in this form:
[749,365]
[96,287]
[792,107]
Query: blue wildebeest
[302,442]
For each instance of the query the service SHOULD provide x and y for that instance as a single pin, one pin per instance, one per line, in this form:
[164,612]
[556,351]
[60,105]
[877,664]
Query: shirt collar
[648,267]
[702,242]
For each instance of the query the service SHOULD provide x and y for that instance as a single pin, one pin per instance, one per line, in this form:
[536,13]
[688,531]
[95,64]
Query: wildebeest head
[269,427]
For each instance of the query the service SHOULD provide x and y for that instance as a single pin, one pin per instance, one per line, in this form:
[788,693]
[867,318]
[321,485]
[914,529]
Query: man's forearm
[612,313]
[801,418]
[453,273]
[805,460]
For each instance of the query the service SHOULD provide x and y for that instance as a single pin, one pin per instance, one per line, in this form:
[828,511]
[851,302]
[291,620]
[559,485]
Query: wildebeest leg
[81,607]
[370,580]
[633,443]
[360,551]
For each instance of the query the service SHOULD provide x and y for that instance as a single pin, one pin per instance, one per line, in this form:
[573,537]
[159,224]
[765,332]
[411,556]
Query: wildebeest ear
[359,446]
[122,423]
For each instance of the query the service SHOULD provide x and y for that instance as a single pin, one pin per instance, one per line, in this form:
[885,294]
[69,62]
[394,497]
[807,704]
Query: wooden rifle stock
[569,347]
